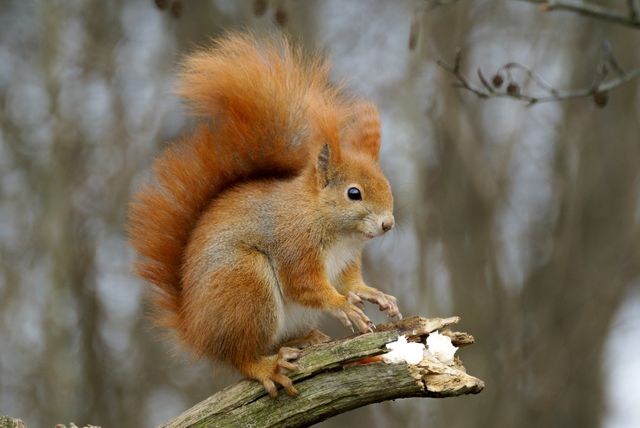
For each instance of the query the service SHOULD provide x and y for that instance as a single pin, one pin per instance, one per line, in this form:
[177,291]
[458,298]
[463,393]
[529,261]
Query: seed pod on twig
[161,4]
[600,98]
[513,89]
[497,80]
[176,9]
[281,15]
[260,7]
[545,7]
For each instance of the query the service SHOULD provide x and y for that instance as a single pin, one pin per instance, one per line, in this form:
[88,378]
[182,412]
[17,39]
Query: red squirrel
[254,223]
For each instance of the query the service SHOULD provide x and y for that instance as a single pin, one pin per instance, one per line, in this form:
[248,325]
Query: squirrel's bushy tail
[263,103]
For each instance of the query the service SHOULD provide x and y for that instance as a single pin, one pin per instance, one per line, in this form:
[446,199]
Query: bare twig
[610,58]
[597,90]
[629,19]
[530,74]
[436,3]
[485,90]
[338,376]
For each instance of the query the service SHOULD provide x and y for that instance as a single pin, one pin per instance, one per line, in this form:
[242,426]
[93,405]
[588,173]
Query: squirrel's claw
[284,365]
[385,302]
[287,384]
[270,371]
[270,386]
[287,366]
[354,299]
[350,315]
[285,354]
[343,318]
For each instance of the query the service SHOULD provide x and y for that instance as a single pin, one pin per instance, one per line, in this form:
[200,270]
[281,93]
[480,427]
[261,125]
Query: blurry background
[523,220]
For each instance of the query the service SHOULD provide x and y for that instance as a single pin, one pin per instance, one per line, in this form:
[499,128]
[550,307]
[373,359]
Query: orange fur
[364,134]
[245,226]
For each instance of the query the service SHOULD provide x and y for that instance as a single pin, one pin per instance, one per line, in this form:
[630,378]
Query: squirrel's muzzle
[387,223]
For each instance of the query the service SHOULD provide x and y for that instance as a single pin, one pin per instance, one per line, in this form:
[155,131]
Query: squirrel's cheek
[368,228]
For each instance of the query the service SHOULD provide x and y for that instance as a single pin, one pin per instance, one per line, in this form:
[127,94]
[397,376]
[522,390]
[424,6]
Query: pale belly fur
[295,320]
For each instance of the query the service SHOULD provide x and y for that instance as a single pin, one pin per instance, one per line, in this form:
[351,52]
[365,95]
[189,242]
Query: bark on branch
[339,376]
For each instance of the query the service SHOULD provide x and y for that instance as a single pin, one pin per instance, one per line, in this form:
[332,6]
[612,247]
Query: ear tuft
[323,166]
[364,134]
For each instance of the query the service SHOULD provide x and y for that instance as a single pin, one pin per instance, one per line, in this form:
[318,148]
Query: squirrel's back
[262,105]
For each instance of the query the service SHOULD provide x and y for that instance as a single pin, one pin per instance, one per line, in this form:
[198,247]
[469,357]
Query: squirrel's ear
[364,133]
[324,166]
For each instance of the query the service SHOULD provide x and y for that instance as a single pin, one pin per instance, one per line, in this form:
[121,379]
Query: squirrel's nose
[387,224]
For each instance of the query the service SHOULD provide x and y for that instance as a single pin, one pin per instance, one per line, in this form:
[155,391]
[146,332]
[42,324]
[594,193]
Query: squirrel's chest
[339,255]
[295,319]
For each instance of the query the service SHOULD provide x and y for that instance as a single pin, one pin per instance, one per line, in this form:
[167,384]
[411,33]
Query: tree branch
[597,90]
[629,19]
[339,376]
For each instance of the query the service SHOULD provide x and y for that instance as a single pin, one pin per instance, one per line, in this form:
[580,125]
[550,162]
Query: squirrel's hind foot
[269,371]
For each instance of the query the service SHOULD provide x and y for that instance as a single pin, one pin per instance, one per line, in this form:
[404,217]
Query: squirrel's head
[354,192]
[353,189]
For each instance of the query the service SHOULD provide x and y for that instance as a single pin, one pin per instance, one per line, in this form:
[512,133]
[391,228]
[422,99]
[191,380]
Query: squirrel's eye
[354,194]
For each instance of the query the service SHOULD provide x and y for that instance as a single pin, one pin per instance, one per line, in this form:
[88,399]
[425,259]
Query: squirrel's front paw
[385,302]
[349,314]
